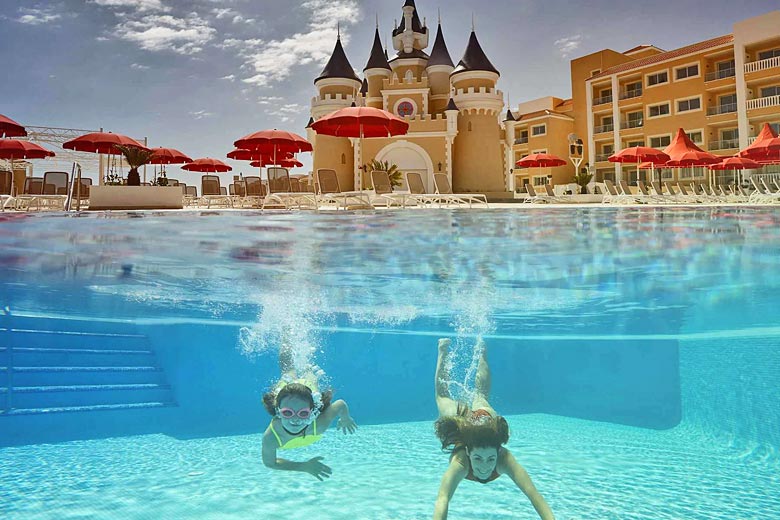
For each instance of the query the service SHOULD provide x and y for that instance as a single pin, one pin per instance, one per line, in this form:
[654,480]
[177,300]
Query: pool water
[634,351]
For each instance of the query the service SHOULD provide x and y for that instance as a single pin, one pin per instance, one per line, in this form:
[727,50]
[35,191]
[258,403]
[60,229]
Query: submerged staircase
[67,375]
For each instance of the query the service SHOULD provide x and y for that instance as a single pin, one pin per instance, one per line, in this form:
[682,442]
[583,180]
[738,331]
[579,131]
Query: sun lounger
[417,191]
[280,192]
[327,184]
[443,187]
[212,192]
[383,191]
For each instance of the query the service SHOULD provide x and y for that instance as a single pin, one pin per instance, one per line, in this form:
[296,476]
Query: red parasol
[10,128]
[736,163]
[682,152]
[168,156]
[18,149]
[256,155]
[766,147]
[207,165]
[101,142]
[274,142]
[284,163]
[540,160]
[360,122]
[640,154]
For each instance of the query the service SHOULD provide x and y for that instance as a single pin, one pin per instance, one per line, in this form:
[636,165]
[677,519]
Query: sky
[196,75]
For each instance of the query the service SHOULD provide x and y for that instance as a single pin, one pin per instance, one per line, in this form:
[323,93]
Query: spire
[474,58]
[377,60]
[416,25]
[364,87]
[509,115]
[451,105]
[338,65]
[439,54]
[311,122]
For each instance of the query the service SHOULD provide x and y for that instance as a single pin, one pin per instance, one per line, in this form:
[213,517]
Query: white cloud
[273,61]
[37,16]
[229,77]
[167,33]
[223,13]
[138,5]
[138,66]
[286,112]
[566,46]
[200,114]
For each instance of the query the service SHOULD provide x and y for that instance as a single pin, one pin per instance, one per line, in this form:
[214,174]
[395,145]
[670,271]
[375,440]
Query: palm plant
[396,175]
[582,179]
[135,157]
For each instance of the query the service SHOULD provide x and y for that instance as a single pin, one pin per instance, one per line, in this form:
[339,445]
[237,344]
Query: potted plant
[582,179]
[396,175]
[135,157]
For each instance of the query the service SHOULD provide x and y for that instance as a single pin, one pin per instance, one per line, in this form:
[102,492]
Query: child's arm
[449,483]
[312,466]
[337,409]
[520,477]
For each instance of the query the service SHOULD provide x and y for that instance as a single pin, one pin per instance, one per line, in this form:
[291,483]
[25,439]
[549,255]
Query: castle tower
[439,68]
[376,71]
[409,39]
[478,163]
[337,87]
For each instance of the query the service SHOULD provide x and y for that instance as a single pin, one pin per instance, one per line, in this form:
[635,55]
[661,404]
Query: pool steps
[58,372]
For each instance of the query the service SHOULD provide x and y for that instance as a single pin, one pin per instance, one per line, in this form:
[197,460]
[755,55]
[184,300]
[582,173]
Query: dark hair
[272,399]
[456,431]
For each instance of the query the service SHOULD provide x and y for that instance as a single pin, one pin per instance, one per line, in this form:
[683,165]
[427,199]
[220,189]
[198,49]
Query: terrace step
[86,375]
[91,408]
[46,356]
[88,395]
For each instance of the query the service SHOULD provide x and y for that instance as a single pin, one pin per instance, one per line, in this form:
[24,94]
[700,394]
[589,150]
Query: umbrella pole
[360,159]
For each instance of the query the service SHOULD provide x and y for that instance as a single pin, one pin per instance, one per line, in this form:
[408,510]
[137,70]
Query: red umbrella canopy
[168,156]
[17,149]
[101,142]
[269,161]
[766,147]
[274,141]
[360,122]
[540,160]
[736,163]
[257,155]
[638,154]
[10,128]
[682,152]
[207,165]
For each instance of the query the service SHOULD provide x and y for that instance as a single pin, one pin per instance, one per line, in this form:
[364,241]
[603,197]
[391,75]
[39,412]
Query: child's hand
[347,424]
[317,469]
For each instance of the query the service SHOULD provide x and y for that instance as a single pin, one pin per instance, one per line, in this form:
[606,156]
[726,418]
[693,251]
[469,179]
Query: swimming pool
[635,352]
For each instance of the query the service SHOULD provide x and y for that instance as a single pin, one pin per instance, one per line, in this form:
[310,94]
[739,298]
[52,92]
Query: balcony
[630,94]
[603,100]
[728,108]
[764,102]
[602,157]
[769,63]
[726,144]
[603,129]
[720,74]
[624,125]
[521,140]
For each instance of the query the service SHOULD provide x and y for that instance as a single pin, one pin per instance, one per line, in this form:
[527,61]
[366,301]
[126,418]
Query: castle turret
[376,71]
[337,87]
[439,68]
[409,39]
[478,159]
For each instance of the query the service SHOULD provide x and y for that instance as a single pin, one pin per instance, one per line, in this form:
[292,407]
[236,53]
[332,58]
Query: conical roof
[338,65]
[311,122]
[474,58]
[416,25]
[364,87]
[377,60]
[439,54]
[451,105]
[509,116]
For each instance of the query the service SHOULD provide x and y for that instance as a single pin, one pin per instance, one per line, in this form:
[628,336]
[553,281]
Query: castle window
[405,108]
[343,158]
[409,76]
[469,126]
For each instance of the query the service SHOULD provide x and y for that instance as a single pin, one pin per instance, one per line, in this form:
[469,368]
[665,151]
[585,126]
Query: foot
[444,343]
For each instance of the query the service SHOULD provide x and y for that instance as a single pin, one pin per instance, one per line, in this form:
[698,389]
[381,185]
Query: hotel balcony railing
[726,144]
[632,124]
[603,129]
[763,102]
[603,100]
[720,74]
[629,94]
[769,63]
[602,157]
[722,109]
[521,140]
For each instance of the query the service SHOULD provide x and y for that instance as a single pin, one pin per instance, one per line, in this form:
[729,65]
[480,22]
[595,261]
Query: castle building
[721,91]
[454,111]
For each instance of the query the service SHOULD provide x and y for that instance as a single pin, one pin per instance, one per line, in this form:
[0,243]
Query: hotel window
[770,91]
[633,89]
[725,68]
[541,181]
[686,72]
[658,79]
[661,141]
[765,55]
[539,130]
[631,144]
[727,103]
[731,134]
[608,149]
[686,105]
[634,119]
[775,127]
[658,110]
[667,174]
[696,137]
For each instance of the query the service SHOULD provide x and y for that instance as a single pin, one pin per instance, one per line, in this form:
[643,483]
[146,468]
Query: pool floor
[585,470]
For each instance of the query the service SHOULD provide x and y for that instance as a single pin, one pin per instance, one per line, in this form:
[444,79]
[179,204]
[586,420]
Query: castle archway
[409,157]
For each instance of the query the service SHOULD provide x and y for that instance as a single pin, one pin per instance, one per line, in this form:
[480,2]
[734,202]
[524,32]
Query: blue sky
[198,74]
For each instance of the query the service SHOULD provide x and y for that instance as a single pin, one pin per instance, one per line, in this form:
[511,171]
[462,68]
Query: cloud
[37,16]
[566,46]
[273,61]
[167,33]
[200,114]
[138,5]
[229,77]
[286,112]
[138,66]
[223,13]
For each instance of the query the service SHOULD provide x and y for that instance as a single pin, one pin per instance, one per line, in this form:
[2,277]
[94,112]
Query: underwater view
[600,363]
